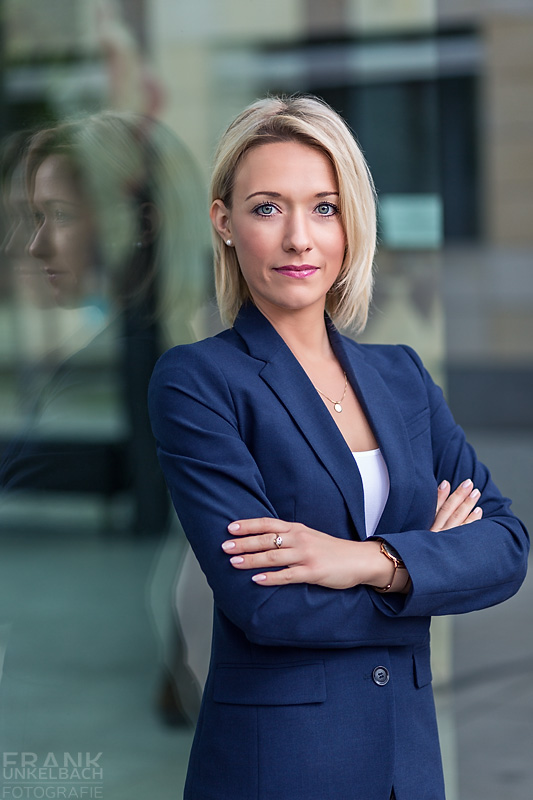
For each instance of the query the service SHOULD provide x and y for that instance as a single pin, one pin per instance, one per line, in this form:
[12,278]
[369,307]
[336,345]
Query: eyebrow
[49,201]
[277,194]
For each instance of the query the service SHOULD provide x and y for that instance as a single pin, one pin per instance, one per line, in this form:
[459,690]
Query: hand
[457,508]
[305,555]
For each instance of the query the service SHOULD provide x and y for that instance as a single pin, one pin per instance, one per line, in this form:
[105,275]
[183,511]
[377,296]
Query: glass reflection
[113,254]
[102,268]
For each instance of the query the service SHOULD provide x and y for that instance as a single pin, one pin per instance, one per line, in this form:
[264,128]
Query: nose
[39,245]
[297,237]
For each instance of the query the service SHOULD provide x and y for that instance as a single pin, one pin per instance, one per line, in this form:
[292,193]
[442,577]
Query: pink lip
[52,274]
[292,271]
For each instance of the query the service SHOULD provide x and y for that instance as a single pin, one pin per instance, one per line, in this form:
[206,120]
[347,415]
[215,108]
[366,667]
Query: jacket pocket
[422,667]
[289,684]
[418,424]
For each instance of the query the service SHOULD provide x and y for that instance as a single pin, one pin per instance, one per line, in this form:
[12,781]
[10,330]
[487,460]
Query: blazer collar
[288,380]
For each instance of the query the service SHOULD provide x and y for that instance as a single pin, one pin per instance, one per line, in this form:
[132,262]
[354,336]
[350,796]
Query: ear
[150,223]
[220,217]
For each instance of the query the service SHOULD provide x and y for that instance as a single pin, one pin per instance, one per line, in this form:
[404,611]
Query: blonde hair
[123,160]
[312,122]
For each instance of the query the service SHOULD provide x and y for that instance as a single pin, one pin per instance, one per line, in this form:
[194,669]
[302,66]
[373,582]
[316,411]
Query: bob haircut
[312,122]
[121,162]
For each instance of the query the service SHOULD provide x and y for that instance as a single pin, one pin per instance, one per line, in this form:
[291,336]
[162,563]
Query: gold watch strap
[398,564]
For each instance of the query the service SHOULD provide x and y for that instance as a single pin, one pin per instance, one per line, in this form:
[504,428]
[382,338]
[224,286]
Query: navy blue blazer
[294,708]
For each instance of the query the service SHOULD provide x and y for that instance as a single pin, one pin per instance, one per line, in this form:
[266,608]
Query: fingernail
[467,484]
[258,578]
[237,560]
[228,545]
[234,526]
[443,485]
[475,493]
[477,511]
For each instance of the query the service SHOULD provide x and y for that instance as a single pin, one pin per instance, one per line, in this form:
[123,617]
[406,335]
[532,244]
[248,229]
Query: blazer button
[380,676]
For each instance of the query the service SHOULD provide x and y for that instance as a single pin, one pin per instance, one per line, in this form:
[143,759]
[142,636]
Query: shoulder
[388,359]
[210,354]
[208,370]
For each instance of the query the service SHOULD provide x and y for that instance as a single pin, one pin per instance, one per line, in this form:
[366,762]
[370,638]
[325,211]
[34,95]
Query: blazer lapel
[383,414]
[288,380]
[294,389]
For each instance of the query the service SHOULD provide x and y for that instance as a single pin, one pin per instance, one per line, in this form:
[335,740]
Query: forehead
[280,166]
[55,177]
[13,189]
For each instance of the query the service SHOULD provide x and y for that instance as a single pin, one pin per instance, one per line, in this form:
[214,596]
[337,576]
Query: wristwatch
[393,555]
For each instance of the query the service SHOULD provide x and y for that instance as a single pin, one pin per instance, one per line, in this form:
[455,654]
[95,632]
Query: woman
[115,201]
[304,469]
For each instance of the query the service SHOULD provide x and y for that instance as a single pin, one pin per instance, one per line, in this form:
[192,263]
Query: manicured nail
[228,545]
[234,526]
[258,578]
[475,494]
[477,512]
[443,485]
[237,560]
[467,484]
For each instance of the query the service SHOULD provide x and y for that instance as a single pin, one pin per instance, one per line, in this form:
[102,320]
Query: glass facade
[109,112]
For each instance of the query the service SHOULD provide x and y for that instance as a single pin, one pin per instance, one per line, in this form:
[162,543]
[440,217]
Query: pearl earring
[229,242]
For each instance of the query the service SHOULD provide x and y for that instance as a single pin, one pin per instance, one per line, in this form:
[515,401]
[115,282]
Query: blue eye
[62,217]
[265,210]
[327,209]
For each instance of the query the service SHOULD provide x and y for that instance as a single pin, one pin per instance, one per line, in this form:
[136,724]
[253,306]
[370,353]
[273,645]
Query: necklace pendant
[338,408]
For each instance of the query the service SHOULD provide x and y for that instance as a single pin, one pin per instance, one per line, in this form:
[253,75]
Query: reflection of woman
[20,272]
[113,199]
[313,462]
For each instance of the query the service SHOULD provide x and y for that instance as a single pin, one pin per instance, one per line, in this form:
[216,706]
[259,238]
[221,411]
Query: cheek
[78,248]
[253,245]
[338,249]
[338,239]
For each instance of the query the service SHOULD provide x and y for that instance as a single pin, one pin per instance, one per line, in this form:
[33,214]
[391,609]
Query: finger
[282,577]
[476,514]
[443,492]
[255,544]
[460,513]
[268,560]
[452,503]
[463,511]
[245,527]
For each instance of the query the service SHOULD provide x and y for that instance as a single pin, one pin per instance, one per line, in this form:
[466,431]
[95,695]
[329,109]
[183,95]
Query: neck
[303,331]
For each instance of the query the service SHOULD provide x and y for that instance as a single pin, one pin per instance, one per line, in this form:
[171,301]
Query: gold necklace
[337,404]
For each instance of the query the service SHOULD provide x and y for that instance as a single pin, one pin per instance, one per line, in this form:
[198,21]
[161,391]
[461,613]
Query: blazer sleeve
[468,567]
[213,480]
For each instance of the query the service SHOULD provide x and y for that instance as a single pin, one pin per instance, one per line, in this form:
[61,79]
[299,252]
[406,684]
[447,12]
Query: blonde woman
[115,203]
[306,470]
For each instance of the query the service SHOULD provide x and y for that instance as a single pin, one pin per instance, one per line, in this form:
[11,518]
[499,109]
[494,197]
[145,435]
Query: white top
[376,485]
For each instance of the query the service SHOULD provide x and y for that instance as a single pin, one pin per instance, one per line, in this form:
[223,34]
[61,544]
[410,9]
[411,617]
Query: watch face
[391,551]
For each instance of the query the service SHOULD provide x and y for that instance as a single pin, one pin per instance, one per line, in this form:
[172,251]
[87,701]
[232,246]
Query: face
[285,226]
[64,239]
[27,278]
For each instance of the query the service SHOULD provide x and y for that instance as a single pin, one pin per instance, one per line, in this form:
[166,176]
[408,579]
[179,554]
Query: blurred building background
[440,96]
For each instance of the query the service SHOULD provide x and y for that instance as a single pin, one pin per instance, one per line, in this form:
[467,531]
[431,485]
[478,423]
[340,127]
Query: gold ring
[278,541]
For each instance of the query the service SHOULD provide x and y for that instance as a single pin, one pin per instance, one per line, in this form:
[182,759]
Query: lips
[52,274]
[294,271]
